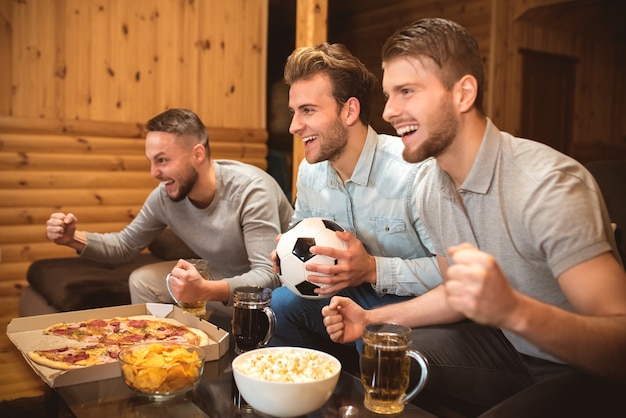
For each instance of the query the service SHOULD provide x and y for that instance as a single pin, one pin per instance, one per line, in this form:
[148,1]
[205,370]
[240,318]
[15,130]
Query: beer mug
[253,320]
[197,308]
[385,368]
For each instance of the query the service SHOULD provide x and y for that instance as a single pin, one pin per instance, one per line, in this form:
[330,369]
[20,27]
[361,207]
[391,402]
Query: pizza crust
[45,361]
[94,355]
[204,338]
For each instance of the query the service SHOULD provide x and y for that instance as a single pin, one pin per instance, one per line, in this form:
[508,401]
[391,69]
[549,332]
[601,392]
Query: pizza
[98,341]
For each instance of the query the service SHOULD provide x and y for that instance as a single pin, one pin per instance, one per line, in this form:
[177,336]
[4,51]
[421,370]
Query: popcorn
[287,365]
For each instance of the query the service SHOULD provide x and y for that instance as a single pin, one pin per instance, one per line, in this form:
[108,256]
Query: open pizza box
[26,334]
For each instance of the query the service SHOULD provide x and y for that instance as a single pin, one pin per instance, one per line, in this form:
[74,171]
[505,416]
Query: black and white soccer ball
[292,252]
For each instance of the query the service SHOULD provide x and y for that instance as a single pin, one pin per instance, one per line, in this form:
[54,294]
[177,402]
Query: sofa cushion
[73,283]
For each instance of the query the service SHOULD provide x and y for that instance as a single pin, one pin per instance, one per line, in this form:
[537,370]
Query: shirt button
[386,229]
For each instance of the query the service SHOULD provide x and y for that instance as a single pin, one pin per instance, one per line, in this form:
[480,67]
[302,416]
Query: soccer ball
[292,252]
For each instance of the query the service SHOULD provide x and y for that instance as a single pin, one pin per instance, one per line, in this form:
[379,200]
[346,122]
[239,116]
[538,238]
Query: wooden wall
[126,61]
[502,28]
[576,29]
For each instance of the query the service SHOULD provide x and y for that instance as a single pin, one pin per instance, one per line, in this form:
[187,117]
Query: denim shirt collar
[363,168]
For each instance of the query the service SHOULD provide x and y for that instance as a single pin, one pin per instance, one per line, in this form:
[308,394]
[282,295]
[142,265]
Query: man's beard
[334,143]
[185,185]
[443,131]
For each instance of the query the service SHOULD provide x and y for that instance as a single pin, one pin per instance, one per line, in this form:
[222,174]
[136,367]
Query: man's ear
[199,152]
[353,111]
[467,89]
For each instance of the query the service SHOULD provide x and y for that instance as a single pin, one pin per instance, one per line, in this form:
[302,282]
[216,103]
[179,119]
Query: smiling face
[317,119]
[172,162]
[419,107]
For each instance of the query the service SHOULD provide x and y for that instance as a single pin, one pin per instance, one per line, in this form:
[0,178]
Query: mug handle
[167,284]
[423,363]
[271,319]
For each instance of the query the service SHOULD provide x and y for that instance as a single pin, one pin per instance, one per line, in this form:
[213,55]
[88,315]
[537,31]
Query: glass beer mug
[197,308]
[385,368]
[253,319]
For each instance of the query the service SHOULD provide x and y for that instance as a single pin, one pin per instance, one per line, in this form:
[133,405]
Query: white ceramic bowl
[286,381]
[180,371]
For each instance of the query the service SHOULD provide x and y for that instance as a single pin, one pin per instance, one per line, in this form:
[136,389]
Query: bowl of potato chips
[161,371]
[286,381]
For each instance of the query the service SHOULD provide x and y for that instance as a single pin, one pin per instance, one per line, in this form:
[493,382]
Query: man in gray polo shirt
[533,283]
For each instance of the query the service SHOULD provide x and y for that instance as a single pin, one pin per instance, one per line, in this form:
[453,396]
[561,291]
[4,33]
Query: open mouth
[168,184]
[406,131]
[309,140]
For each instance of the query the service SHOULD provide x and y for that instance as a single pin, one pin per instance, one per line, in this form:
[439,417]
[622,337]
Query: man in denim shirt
[359,179]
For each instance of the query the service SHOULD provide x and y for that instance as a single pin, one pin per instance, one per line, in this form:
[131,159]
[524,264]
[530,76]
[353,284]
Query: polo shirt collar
[482,172]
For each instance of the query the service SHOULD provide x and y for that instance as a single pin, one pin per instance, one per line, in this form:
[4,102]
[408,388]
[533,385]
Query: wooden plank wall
[126,61]
[600,98]
[102,179]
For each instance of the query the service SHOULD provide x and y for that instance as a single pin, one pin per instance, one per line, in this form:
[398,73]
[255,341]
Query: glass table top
[216,396]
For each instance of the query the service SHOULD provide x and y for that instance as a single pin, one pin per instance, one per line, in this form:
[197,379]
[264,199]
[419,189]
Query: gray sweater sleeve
[121,246]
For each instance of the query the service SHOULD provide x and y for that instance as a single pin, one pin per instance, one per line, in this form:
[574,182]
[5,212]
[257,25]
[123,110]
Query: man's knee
[147,283]
[284,300]
[138,290]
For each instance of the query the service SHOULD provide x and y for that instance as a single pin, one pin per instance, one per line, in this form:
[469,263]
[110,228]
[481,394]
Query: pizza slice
[133,330]
[74,357]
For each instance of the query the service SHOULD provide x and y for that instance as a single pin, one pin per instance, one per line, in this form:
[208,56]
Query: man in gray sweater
[227,212]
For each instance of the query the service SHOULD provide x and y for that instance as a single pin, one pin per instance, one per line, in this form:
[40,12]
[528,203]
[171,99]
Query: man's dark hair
[183,123]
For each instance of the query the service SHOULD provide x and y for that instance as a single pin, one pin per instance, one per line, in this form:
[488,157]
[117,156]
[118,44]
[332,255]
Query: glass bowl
[161,371]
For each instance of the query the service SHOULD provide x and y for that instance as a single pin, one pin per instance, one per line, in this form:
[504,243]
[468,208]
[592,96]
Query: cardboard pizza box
[26,334]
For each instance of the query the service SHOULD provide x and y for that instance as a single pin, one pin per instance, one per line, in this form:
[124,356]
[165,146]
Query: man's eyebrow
[399,86]
[155,156]
[302,106]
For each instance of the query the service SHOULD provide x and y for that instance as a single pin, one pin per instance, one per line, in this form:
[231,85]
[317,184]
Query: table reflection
[216,396]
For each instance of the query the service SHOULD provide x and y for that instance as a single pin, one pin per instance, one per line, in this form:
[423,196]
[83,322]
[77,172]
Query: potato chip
[158,368]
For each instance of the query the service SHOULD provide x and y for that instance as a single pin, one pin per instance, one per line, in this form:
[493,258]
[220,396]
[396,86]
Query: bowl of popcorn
[161,371]
[286,381]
